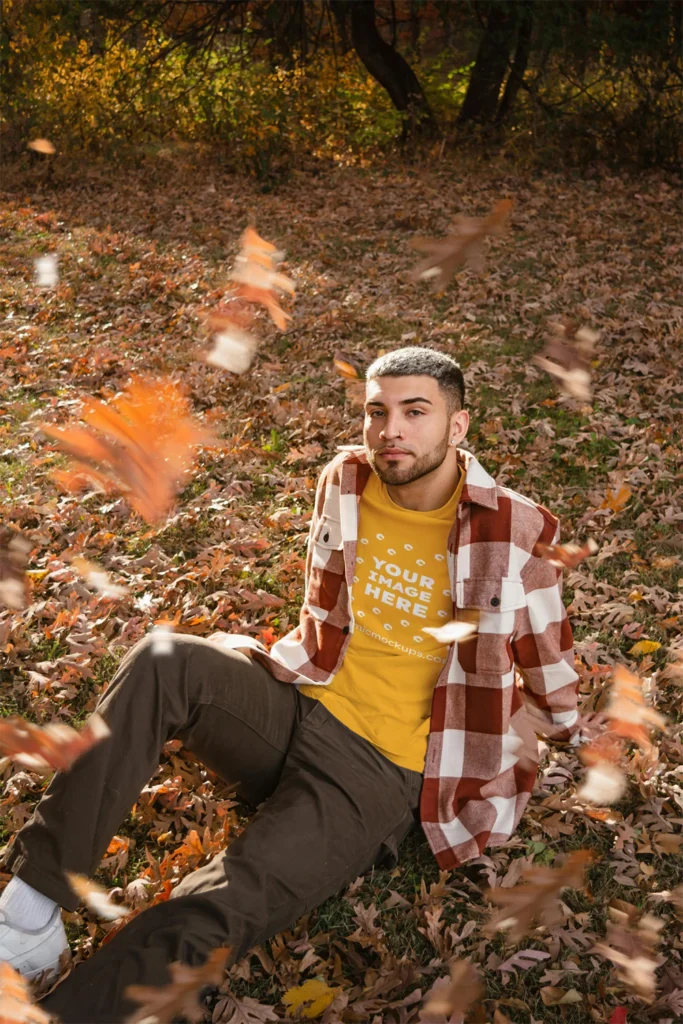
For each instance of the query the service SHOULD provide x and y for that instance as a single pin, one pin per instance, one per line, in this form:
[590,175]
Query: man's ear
[460,422]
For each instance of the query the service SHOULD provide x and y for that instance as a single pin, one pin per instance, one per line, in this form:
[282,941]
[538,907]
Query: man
[384,721]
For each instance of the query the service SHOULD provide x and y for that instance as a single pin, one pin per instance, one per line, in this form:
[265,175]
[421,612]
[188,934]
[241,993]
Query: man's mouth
[393,453]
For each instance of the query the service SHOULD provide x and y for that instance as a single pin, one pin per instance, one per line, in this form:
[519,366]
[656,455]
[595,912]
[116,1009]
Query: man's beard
[396,474]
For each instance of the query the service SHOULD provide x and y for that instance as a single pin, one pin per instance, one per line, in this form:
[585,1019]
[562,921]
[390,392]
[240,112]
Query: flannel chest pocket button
[495,601]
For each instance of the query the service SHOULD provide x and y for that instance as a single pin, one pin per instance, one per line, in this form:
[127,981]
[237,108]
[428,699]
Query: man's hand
[217,638]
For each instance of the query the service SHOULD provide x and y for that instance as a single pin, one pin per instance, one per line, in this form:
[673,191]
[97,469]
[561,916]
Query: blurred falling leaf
[452,632]
[49,747]
[42,146]
[454,995]
[233,350]
[565,556]
[180,997]
[567,357]
[14,552]
[95,897]
[47,275]
[604,784]
[464,246]
[538,900]
[96,577]
[162,639]
[16,1005]
[146,452]
[257,279]
[630,943]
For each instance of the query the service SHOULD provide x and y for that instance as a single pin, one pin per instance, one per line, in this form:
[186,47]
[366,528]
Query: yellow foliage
[310,999]
[645,647]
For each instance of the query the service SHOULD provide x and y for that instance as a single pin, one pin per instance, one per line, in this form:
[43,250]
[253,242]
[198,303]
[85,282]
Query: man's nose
[390,430]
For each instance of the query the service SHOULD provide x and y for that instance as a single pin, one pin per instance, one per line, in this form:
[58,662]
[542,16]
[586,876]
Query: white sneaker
[31,953]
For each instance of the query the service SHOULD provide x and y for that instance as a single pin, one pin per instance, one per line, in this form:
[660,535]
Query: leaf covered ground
[142,257]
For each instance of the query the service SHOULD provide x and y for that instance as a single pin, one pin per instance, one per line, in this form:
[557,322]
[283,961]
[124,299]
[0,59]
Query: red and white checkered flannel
[475,788]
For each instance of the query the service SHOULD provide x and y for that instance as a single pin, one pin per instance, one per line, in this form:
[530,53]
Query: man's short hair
[415,361]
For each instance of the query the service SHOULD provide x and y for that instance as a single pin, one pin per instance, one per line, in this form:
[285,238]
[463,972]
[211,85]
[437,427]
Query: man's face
[407,428]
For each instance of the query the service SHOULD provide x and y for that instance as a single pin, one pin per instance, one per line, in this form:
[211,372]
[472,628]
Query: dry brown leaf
[179,997]
[464,246]
[147,449]
[14,585]
[46,748]
[16,1005]
[538,900]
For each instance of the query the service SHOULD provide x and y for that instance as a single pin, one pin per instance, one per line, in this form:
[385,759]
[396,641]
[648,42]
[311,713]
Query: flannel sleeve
[543,650]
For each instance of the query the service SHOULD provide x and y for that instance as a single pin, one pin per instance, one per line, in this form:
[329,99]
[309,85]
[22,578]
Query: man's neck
[429,492]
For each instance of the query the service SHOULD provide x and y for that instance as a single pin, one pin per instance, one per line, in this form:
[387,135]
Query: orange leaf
[565,555]
[16,1006]
[146,451]
[55,746]
[616,502]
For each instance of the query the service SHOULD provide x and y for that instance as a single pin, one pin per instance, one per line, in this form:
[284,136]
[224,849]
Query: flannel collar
[479,489]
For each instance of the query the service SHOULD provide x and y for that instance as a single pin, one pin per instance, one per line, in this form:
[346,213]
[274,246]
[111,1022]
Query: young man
[384,723]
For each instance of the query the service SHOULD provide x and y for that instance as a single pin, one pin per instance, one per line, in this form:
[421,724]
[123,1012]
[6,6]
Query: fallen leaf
[560,996]
[645,647]
[310,999]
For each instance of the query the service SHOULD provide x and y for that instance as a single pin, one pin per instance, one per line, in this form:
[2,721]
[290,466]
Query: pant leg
[339,807]
[229,710]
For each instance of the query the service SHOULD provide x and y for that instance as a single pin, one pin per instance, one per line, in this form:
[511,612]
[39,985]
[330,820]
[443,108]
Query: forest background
[341,129]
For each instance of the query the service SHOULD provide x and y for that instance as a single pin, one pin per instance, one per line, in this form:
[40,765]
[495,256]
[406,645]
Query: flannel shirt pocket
[495,600]
[328,534]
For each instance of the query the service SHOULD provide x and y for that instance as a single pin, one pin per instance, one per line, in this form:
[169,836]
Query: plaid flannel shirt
[476,781]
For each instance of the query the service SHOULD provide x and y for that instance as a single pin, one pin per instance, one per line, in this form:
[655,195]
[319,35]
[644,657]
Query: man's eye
[417,411]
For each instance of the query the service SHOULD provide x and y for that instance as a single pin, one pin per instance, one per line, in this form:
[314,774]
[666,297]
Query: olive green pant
[332,806]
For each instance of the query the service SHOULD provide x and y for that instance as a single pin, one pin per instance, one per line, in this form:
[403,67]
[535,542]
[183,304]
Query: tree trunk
[481,99]
[387,66]
[519,64]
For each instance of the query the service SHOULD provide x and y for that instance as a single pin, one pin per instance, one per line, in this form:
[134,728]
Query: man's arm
[543,650]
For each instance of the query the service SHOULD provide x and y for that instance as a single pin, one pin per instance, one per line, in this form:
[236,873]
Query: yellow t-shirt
[383,690]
